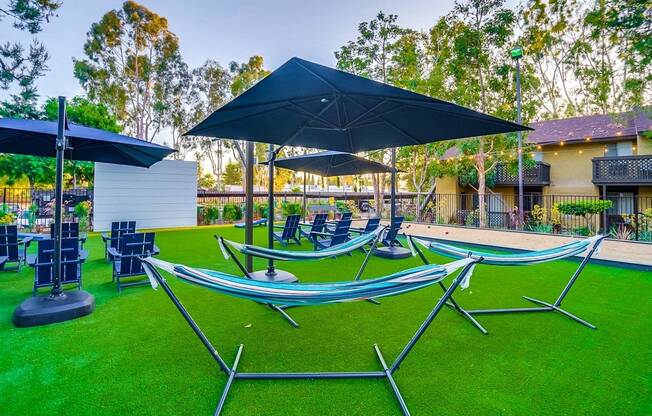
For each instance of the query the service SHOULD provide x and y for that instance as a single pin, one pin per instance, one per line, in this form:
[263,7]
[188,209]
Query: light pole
[517,54]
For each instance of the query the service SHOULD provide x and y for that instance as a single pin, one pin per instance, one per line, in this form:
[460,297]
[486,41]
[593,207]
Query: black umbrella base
[392,253]
[279,276]
[43,310]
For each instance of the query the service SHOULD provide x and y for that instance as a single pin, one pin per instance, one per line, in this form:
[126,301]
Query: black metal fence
[32,209]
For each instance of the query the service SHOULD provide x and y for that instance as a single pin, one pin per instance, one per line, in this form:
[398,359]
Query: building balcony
[538,175]
[622,170]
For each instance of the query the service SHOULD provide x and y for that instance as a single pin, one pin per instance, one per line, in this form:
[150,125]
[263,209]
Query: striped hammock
[513,259]
[289,255]
[309,293]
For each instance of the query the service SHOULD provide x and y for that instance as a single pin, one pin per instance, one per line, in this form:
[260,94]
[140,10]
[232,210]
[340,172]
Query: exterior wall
[571,172]
[643,145]
[165,195]
[447,185]
[645,191]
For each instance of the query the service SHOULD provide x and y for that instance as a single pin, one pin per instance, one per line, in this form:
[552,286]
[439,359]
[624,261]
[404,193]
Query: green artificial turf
[135,355]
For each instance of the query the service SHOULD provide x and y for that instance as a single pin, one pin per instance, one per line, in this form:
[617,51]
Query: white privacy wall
[165,195]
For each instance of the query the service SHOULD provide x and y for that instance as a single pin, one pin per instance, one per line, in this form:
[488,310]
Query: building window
[619,149]
[537,156]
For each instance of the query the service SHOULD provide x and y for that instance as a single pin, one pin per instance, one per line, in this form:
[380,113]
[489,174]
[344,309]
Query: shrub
[409,217]
[231,212]
[261,210]
[540,228]
[211,213]
[83,212]
[290,208]
[341,206]
[586,209]
[296,190]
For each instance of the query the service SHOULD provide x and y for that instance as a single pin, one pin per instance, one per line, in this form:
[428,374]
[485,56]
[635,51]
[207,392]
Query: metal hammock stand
[522,261]
[282,308]
[387,371]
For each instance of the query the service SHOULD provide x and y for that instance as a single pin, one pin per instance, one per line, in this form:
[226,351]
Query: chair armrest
[357,230]
[26,241]
[31,260]
[321,234]
[83,255]
[156,250]
[105,237]
[113,252]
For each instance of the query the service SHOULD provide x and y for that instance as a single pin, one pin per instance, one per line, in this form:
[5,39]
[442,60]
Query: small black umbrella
[330,163]
[59,139]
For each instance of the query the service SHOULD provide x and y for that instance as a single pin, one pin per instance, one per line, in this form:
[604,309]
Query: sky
[225,30]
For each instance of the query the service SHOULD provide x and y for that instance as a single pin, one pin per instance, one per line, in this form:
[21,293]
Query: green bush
[290,208]
[409,217]
[540,228]
[585,209]
[261,210]
[296,190]
[83,212]
[232,212]
[342,206]
[6,217]
[211,213]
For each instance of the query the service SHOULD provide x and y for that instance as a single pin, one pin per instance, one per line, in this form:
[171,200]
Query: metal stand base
[387,373]
[43,310]
[279,276]
[392,253]
[547,307]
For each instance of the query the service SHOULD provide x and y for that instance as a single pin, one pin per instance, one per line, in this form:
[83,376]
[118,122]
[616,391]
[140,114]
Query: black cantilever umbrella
[60,139]
[330,163]
[306,104]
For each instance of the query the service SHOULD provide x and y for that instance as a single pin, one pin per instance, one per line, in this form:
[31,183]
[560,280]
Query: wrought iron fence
[32,209]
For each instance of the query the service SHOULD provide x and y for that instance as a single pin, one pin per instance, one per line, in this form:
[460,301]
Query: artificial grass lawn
[135,355]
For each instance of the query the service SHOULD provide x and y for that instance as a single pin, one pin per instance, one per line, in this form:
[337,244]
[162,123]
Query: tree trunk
[482,180]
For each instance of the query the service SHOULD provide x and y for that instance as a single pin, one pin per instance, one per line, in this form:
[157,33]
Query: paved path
[613,250]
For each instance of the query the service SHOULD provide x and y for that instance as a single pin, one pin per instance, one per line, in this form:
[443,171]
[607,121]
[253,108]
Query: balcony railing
[622,170]
[538,175]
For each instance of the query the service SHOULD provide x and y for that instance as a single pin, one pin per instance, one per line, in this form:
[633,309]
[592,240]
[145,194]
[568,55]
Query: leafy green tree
[372,55]
[19,66]
[80,110]
[232,174]
[38,170]
[132,61]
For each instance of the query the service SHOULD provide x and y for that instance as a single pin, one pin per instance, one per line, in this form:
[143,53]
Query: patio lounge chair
[290,230]
[70,230]
[389,239]
[118,229]
[43,263]
[330,225]
[10,247]
[127,258]
[311,294]
[575,248]
[372,225]
[259,222]
[340,235]
[317,226]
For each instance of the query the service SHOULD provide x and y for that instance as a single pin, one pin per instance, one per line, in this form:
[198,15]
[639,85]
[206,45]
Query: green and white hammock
[289,255]
[309,293]
[511,259]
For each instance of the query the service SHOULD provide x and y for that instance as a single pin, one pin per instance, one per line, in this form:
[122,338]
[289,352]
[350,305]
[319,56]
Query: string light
[561,143]
[556,153]
[539,147]
[588,139]
[619,133]
[580,152]
[633,147]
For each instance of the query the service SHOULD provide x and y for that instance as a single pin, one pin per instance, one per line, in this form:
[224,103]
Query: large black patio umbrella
[61,139]
[330,163]
[306,104]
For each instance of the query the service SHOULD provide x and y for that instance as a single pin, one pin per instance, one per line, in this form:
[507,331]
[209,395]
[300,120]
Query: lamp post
[517,54]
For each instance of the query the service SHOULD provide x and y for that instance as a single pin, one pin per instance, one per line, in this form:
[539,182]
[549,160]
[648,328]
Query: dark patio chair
[118,229]
[340,235]
[70,230]
[330,225]
[10,246]
[389,239]
[43,263]
[317,226]
[372,225]
[290,230]
[126,258]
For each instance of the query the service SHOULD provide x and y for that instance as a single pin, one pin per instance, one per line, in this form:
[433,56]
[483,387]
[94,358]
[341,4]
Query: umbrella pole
[392,202]
[304,196]
[61,148]
[249,201]
[270,207]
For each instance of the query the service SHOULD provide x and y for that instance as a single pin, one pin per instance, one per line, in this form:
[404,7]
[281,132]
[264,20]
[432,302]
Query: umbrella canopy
[331,163]
[37,138]
[306,104]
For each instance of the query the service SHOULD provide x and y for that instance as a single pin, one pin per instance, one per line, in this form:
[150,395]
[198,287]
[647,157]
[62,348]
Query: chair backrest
[120,228]
[318,223]
[394,229]
[9,242]
[70,262]
[68,230]
[346,216]
[372,224]
[132,248]
[291,226]
[341,233]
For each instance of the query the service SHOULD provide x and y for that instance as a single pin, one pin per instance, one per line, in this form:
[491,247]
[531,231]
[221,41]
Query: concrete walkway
[635,253]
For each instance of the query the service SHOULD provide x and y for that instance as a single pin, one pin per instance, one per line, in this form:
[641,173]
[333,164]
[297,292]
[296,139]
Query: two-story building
[600,155]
